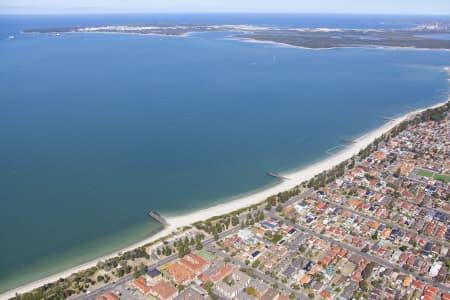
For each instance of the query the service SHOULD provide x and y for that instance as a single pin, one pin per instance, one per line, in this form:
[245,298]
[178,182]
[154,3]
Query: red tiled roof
[163,290]
[222,272]
[326,294]
[193,262]
[418,285]
[180,273]
[445,296]
[140,284]
[108,296]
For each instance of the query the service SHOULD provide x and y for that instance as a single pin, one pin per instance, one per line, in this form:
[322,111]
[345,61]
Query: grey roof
[289,271]
[189,294]
[242,295]
[270,294]
[241,281]
[259,285]
[348,291]
[153,273]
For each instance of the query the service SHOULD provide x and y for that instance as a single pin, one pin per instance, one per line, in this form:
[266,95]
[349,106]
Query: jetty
[334,149]
[347,141]
[158,218]
[386,118]
[276,175]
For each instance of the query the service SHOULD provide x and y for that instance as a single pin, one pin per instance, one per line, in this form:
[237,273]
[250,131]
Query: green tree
[375,235]
[255,264]
[234,220]
[279,208]
[251,291]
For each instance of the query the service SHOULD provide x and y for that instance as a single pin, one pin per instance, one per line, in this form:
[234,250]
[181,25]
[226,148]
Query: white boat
[11,37]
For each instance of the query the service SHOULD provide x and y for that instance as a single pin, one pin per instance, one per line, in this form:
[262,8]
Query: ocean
[98,129]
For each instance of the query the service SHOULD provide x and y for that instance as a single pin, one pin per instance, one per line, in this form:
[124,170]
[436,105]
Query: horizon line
[219,12]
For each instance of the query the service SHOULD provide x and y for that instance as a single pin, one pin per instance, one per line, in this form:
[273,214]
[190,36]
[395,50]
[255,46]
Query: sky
[415,7]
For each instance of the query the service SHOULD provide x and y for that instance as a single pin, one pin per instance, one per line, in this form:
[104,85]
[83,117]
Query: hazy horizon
[381,7]
[222,13]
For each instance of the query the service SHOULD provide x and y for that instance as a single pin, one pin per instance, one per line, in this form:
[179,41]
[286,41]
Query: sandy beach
[285,45]
[293,179]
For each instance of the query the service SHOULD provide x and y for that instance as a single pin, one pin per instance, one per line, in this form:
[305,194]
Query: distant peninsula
[422,36]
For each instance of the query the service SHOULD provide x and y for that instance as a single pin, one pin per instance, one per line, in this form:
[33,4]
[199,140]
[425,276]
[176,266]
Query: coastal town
[373,227]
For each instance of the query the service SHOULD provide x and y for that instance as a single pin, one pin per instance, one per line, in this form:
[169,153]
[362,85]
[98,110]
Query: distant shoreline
[293,179]
[374,47]
[317,38]
[241,39]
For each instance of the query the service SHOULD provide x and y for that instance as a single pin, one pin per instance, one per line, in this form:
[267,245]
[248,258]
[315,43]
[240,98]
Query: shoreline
[234,36]
[293,179]
[296,177]
[374,47]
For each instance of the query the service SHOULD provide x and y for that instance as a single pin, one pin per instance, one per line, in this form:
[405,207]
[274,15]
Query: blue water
[97,129]
[436,36]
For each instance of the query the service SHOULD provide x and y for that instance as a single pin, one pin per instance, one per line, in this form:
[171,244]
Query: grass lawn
[424,173]
[276,238]
[441,177]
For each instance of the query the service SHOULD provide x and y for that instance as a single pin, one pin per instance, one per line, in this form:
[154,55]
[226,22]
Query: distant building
[271,294]
[240,281]
[222,272]
[190,294]
[245,234]
[259,286]
[195,263]
[244,296]
[349,290]
[434,270]
[300,207]
[180,273]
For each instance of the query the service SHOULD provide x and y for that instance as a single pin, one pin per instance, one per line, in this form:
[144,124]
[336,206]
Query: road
[126,278]
[309,192]
[393,225]
[363,254]
[353,249]
[299,294]
[283,287]
[299,197]
[114,284]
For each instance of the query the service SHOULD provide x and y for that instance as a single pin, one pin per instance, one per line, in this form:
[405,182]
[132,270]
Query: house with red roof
[108,296]
[163,291]
[140,284]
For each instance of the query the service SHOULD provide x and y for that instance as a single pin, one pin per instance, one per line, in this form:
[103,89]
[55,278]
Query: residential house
[236,283]
[163,291]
